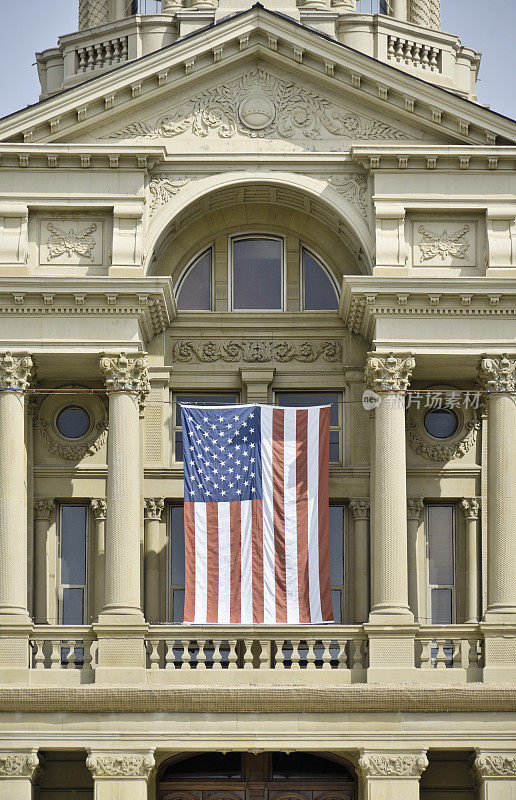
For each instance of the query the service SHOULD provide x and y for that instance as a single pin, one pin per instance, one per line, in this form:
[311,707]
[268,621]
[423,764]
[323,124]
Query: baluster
[154,654]
[108,57]
[426,654]
[295,657]
[342,657]
[473,652]
[390,47]
[400,49]
[81,59]
[201,655]
[116,51]
[440,659]
[55,657]
[186,661]
[217,655]
[70,658]
[91,58]
[248,654]
[358,656]
[326,653]
[99,59]
[408,52]
[170,654]
[124,49]
[434,53]
[280,655]
[455,650]
[265,654]
[39,655]
[232,654]
[88,655]
[310,656]
[424,56]
[416,57]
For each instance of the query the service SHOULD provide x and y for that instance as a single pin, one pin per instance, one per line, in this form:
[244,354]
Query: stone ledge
[407,698]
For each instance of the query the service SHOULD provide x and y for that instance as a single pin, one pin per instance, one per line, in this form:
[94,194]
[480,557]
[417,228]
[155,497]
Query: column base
[391,653]
[499,652]
[14,649]
[121,656]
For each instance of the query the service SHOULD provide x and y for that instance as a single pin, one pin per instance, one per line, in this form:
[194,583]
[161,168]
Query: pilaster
[17,771]
[120,776]
[471,509]
[99,508]
[391,775]
[153,510]
[257,382]
[496,774]
[360,508]
[43,508]
[414,511]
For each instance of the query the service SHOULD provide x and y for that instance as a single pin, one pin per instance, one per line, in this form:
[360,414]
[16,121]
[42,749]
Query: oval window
[441,423]
[73,422]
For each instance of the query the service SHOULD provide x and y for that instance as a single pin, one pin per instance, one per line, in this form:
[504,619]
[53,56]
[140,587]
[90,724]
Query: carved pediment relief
[260,105]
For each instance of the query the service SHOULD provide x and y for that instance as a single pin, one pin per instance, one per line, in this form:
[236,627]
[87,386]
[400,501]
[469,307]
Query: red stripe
[324,515]
[302,513]
[278,511]
[212,535]
[189,521]
[235,524]
[257,511]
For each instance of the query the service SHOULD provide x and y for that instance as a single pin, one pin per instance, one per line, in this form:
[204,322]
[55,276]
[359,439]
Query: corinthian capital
[373,765]
[415,506]
[498,374]
[360,507]
[18,765]
[99,507]
[470,507]
[43,507]
[389,373]
[495,765]
[120,765]
[15,373]
[153,507]
[125,373]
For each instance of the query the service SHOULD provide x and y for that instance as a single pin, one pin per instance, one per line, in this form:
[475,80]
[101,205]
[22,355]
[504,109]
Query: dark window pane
[312,399]
[209,765]
[337,545]
[177,546]
[257,273]
[334,446]
[441,606]
[179,605]
[336,604]
[441,423]
[195,289]
[300,765]
[73,606]
[319,290]
[73,544]
[73,422]
[440,545]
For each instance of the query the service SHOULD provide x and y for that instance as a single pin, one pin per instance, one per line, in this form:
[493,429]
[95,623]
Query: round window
[441,423]
[73,422]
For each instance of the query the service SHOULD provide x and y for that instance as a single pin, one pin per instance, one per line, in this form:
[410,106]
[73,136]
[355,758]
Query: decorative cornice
[495,765]
[257,351]
[401,765]
[471,507]
[390,373]
[99,508]
[18,765]
[43,507]
[15,373]
[153,507]
[498,374]
[120,765]
[125,373]
[360,507]
[415,507]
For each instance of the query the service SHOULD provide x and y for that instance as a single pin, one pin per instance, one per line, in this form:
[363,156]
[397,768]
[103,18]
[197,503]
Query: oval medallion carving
[257,111]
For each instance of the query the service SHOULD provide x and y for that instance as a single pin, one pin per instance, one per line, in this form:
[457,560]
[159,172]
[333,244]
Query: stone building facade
[288,203]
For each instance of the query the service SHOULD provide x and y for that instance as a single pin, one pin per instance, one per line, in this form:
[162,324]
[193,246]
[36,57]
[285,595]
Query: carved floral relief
[256,351]
[71,241]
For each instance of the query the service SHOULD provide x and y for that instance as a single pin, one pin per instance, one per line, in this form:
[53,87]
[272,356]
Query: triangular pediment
[233,81]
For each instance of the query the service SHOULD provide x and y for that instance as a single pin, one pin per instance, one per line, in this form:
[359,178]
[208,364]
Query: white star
[251,430]
[208,492]
[244,424]
[223,478]
[246,483]
[205,433]
[251,475]
[192,463]
[239,491]
[198,427]
[235,418]
[192,491]
[231,485]
[253,489]
[251,445]
[252,460]
[245,438]
[230,455]
[237,447]
[222,463]
[215,485]
[238,462]
[214,427]
[205,419]
[215,471]
[223,492]
[245,453]
[251,416]
[245,469]
[230,470]
[221,433]
[198,441]
[228,426]
[221,419]
[190,419]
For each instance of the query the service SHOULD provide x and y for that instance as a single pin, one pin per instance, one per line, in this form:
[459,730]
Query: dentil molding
[18,765]
[389,373]
[15,373]
[498,374]
[257,351]
[402,765]
[495,765]
[120,765]
[259,105]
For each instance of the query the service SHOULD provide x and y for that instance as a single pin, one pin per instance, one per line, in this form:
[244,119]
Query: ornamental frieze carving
[415,508]
[440,451]
[153,508]
[498,374]
[15,373]
[43,507]
[387,764]
[163,187]
[389,373]
[14,765]
[259,105]
[360,507]
[493,765]
[470,507]
[257,351]
[120,765]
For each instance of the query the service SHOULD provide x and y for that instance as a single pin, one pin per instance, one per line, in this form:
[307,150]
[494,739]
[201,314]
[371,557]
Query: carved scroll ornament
[257,351]
[14,765]
[113,765]
[386,764]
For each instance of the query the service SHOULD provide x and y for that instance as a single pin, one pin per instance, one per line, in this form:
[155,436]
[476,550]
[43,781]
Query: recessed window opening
[257,273]
[440,523]
[193,290]
[319,290]
[73,564]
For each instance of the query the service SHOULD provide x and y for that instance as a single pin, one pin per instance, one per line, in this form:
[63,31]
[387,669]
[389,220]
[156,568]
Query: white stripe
[246,560]
[313,515]
[224,563]
[290,494]
[269,573]
[201,563]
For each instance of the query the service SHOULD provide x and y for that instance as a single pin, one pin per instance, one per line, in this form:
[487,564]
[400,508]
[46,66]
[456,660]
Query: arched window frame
[324,267]
[189,265]
[278,237]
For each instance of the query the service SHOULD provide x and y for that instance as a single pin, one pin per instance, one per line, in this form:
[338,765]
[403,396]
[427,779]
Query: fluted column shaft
[360,507]
[498,376]
[153,508]
[126,379]
[43,507]
[99,508]
[414,511]
[15,375]
[471,507]
[390,376]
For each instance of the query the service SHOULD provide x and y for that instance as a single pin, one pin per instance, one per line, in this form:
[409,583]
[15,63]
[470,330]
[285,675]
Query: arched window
[319,292]
[194,288]
[257,271]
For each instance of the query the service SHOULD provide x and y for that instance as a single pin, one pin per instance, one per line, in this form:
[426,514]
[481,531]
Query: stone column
[99,508]
[498,376]
[126,381]
[17,769]
[360,507]
[471,507]
[392,775]
[414,511]
[399,9]
[170,6]
[153,508]
[120,776]
[389,376]
[43,507]
[496,773]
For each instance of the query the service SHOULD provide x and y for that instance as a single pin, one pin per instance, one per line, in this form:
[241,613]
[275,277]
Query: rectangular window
[333,399]
[337,561]
[73,523]
[440,536]
[257,273]
[215,399]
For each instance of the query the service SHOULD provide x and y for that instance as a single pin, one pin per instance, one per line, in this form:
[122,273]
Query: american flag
[256,514]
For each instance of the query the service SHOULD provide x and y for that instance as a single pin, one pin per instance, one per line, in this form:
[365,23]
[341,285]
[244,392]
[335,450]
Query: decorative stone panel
[71,241]
[451,242]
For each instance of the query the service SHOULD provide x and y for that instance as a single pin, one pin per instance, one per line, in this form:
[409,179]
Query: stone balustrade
[102,54]
[414,54]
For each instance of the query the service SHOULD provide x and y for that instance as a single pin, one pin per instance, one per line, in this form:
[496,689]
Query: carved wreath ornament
[257,351]
[70,242]
[444,246]
[259,105]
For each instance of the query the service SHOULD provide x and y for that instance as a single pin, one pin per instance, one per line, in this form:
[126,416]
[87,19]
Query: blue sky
[30,25]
